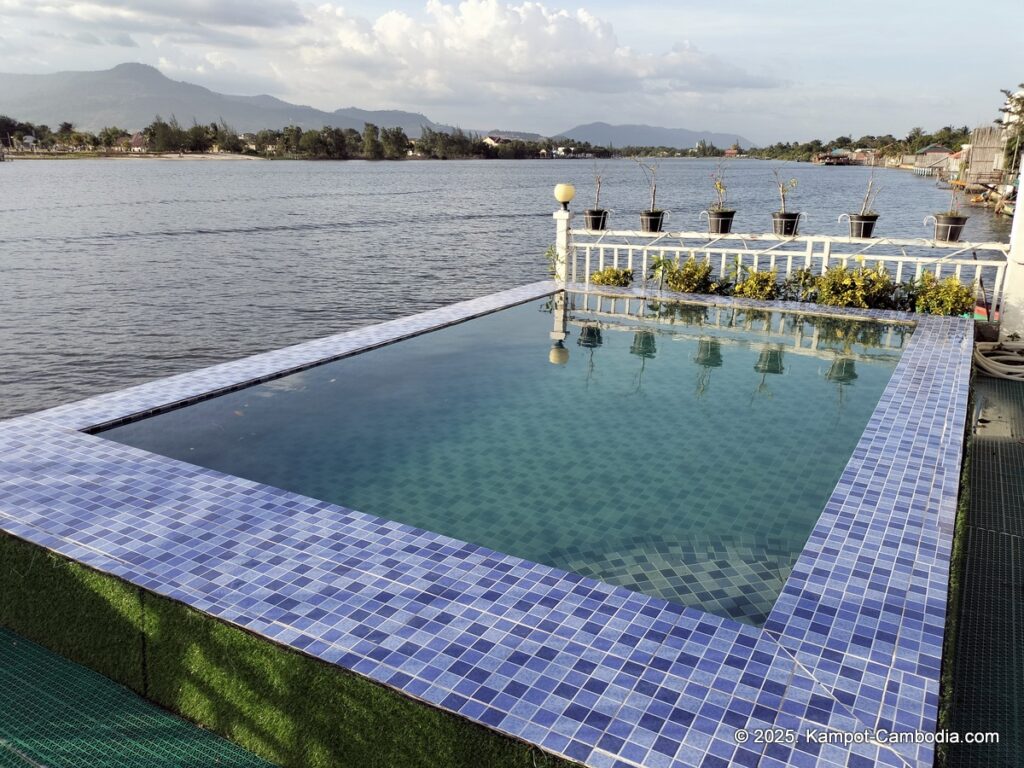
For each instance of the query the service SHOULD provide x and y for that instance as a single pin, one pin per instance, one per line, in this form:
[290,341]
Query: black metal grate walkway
[57,714]
[988,671]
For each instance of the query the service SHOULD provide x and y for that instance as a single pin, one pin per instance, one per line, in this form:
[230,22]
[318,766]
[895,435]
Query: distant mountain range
[603,134]
[131,95]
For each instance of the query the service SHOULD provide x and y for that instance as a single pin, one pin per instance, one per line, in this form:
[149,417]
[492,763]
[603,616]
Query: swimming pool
[579,668]
[683,451]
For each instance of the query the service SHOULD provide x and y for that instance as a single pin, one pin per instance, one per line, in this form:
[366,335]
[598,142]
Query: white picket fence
[982,265]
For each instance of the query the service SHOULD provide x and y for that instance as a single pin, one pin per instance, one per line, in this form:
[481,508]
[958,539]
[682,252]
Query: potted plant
[719,216]
[784,222]
[651,219]
[596,217]
[949,225]
[863,224]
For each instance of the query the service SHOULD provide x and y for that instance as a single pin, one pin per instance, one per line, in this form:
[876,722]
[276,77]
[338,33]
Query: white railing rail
[982,265]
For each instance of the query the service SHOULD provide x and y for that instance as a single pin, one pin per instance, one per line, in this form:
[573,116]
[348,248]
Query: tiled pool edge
[645,651]
[180,389]
[224,659]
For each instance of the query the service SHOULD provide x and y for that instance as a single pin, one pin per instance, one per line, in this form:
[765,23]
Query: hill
[131,95]
[603,134]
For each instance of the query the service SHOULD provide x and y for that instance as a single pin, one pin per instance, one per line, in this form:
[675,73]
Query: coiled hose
[1002,359]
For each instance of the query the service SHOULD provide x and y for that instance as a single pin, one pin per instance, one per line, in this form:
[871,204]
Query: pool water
[682,451]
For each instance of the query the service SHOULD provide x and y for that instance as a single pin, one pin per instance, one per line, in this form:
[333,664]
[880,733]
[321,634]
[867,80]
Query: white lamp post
[564,193]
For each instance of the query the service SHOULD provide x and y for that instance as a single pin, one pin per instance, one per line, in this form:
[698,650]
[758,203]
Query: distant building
[864,156]
[139,142]
[494,141]
[731,152]
[839,156]
[932,159]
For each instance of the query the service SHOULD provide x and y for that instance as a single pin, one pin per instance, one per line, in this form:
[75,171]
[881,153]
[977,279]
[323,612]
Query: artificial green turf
[75,611]
[282,705]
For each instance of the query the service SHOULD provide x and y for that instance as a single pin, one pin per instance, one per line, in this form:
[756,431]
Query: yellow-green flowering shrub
[620,278]
[758,285]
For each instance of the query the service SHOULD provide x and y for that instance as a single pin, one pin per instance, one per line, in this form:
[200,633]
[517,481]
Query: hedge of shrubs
[863,287]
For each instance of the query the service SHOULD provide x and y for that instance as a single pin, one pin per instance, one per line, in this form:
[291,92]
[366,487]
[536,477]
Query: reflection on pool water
[679,450]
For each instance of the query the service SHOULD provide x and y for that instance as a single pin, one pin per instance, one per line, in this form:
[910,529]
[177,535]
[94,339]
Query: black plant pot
[785,224]
[862,225]
[595,218]
[949,228]
[720,222]
[650,221]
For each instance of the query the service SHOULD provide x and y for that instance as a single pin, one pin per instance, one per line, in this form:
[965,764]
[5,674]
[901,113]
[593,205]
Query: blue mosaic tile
[583,669]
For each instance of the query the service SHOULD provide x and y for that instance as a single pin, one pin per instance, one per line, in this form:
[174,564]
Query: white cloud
[484,64]
[230,13]
[484,46]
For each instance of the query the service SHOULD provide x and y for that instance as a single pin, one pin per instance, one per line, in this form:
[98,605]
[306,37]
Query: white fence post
[1011,319]
[562,219]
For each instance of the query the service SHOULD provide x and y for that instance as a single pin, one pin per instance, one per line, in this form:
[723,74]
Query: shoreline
[215,156]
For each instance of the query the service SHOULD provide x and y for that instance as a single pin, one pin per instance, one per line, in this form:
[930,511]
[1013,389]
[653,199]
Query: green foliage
[885,145]
[691,277]
[197,139]
[165,135]
[758,285]
[312,144]
[862,287]
[1012,123]
[802,285]
[372,148]
[620,278]
[394,143]
[442,145]
[112,136]
[661,267]
[942,297]
[551,257]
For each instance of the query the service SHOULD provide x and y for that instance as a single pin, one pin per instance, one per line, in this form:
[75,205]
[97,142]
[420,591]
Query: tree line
[374,143]
[885,146]
[329,143]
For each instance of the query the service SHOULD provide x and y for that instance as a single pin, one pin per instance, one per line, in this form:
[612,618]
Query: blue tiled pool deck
[596,673]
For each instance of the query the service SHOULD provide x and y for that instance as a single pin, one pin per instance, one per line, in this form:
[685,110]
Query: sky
[789,70]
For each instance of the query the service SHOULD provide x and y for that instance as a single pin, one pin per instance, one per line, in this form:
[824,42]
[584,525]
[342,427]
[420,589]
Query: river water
[114,272]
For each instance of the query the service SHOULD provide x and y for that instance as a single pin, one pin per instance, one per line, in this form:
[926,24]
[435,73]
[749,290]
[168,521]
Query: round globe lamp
[564,193]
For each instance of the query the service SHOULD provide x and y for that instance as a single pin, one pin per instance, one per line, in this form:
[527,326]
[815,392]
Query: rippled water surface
[470,431]
[115,272]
